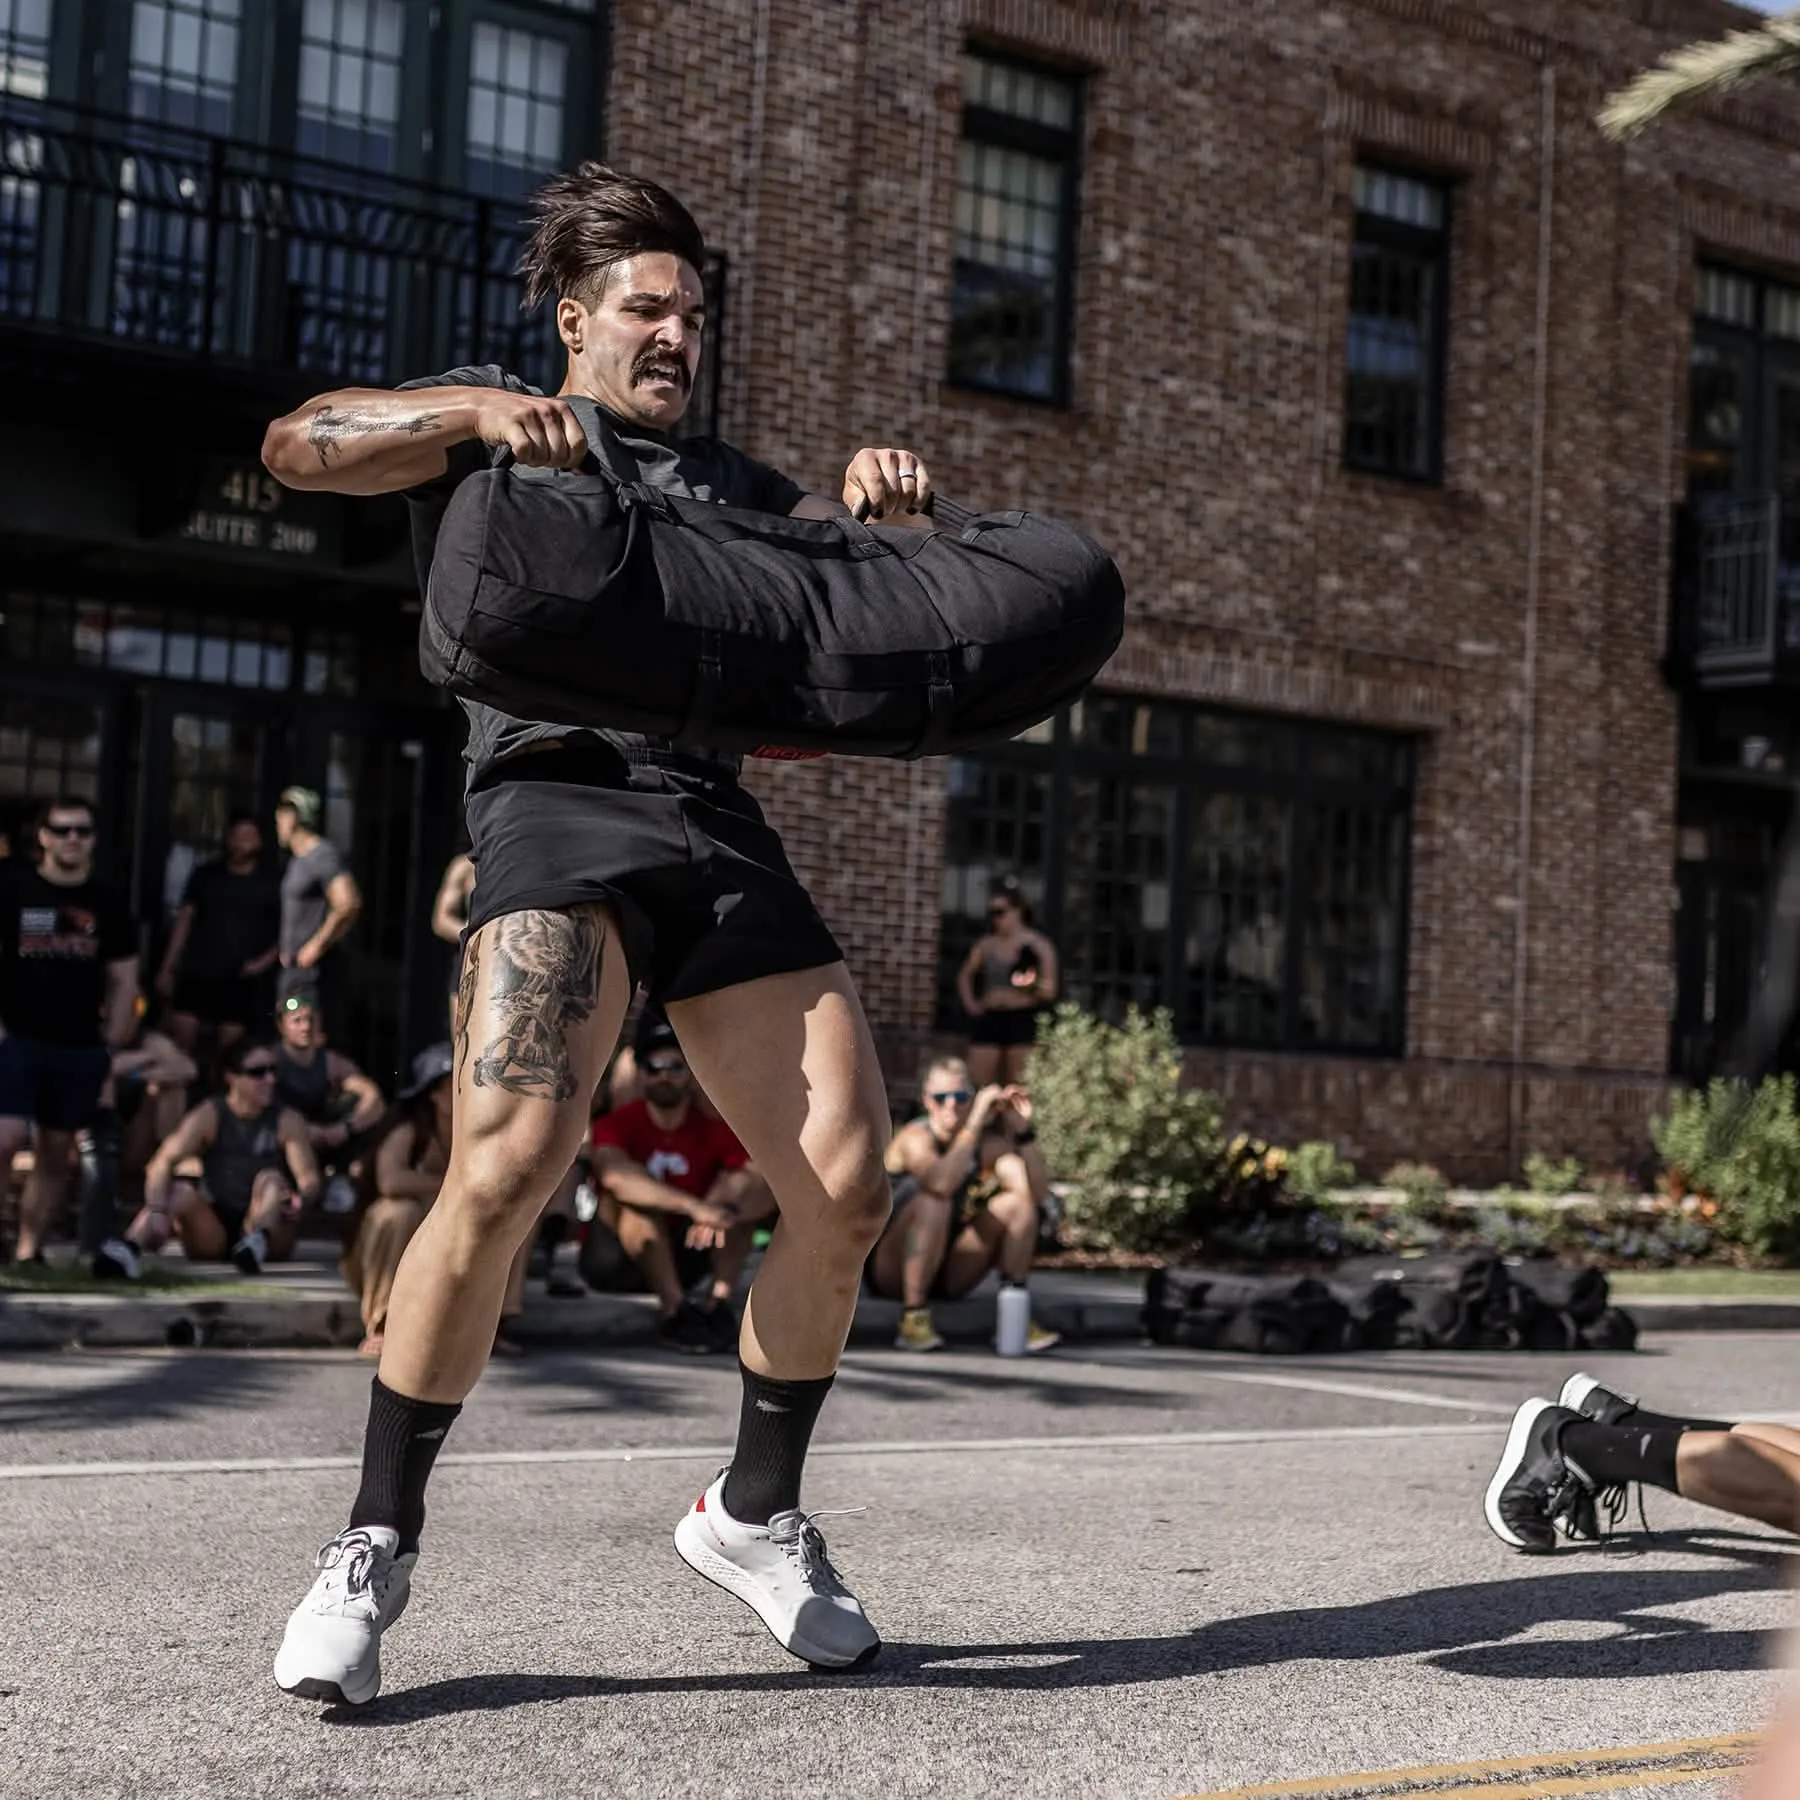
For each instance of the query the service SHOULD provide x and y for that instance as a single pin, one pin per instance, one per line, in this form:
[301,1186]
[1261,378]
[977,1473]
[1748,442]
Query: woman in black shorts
[1009,976]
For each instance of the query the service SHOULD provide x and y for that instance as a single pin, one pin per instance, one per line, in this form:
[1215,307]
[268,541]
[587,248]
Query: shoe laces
[795,1534]
[361,1568]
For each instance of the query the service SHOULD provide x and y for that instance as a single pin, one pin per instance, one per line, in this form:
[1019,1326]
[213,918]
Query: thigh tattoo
[545,981]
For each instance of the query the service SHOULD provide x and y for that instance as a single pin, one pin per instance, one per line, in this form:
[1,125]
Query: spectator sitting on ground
[142,1101]
[341,1105]
[659,1161]
[409,1169]
[969,1181]
[255,1169]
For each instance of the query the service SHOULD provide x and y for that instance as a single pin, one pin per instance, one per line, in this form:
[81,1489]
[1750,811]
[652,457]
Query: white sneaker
[339,1196]
[249,1251]
[331,1649]
[118,1260]
[781,1572]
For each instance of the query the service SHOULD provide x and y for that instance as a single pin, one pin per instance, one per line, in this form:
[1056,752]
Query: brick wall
[1514,616]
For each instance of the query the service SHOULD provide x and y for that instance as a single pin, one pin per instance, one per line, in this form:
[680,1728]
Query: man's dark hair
[243,816]
[593,217]
[63,803]
[233,1056]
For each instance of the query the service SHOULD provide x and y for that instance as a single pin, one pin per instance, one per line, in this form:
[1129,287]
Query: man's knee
[504,1169]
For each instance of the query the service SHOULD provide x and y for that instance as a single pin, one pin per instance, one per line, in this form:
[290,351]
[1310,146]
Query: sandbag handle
[940,699]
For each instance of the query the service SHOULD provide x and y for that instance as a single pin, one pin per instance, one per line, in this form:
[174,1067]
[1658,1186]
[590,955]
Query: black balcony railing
[210,250]
[1738,596]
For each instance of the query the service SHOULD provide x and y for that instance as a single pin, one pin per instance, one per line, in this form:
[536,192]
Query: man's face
[637,352]
[285,817]
[949,1098]
[667,1082]
[67,840]
[298,1025]
[244,842]
[254,1084]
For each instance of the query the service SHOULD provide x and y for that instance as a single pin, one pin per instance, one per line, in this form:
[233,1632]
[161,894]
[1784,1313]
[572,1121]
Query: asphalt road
[1127,1573]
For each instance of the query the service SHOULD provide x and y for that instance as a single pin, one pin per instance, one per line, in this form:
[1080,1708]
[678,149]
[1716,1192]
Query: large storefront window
[1249,873]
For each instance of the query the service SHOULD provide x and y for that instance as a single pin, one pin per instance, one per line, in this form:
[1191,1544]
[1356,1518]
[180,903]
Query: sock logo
[770,1406]
[427,1436]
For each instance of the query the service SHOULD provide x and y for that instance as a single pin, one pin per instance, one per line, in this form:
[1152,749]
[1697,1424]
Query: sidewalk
[304,1305]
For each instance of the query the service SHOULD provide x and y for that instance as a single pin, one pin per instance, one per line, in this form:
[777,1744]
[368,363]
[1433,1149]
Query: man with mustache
[604,859]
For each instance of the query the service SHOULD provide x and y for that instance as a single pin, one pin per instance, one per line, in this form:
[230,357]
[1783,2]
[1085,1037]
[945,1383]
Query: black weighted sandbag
[591,598]
[1267,1315]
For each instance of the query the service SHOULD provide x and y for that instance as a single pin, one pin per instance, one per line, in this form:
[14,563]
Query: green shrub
[1315,1171]
[1741,1148]
[1551,1175]
[1423,1189]
[1133,1145]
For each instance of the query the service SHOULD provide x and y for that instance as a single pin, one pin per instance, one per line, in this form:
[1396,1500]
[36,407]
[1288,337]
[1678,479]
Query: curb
[318,1322]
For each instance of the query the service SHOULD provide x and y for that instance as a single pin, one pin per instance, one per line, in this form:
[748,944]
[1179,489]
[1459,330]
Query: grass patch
[1722,1284]
[157,1283]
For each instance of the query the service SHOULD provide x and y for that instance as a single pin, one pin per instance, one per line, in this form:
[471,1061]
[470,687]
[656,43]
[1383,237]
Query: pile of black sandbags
[1451,1300]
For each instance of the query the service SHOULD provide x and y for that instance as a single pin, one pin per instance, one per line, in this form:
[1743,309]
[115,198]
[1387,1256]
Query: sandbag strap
[708,668]
[940,699]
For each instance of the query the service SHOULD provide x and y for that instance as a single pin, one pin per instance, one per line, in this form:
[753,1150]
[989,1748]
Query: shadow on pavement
[1466,1629]
[149,1392]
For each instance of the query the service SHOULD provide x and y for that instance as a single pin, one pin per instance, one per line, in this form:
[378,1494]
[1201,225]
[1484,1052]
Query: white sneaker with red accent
[781,1572]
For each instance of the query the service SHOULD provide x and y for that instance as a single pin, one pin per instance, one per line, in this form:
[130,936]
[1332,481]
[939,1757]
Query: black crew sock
[1609,1455]
[774,1430]
[401,1444]
[1641,1419]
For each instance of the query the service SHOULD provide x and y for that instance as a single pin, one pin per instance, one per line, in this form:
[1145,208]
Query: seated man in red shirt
[676,1186]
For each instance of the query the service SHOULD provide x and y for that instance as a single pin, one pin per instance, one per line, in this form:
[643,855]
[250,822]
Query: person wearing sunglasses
[68,1000]
[1009,976]
[968,1181]
[257,1169]
[679,1195]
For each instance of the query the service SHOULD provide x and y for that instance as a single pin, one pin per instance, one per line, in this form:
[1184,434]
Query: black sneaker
[117,1260]
[722,1323]
[1583,1394]
[688,1330]
[1534,1486]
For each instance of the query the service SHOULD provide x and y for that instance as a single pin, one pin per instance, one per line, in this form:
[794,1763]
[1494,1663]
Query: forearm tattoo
[544,981]
[329,429]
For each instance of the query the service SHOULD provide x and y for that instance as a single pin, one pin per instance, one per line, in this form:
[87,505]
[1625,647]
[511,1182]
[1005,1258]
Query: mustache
[660,360]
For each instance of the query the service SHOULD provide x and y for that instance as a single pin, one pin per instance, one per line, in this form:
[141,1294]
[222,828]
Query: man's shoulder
[488,375]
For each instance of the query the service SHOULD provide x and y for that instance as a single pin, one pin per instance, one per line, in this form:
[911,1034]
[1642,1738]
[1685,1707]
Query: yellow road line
[1665,1763]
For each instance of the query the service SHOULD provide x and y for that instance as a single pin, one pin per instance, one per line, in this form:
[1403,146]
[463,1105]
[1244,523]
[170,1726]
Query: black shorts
[247,1000]
[56,1086]
[1010,1030]
[701,886]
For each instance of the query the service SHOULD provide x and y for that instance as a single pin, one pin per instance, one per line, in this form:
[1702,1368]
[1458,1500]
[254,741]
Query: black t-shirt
[236,916]
[55,943]
[701,468]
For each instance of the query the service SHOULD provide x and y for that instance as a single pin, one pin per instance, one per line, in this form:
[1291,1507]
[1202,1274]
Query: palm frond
[1697,71]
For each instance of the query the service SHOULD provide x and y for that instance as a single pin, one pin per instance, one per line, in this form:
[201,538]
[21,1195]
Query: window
[1247,872]
[517,83]
[50,744]
[1394,364]
[349,98]
[25,48]
[184,62]
[1015,228]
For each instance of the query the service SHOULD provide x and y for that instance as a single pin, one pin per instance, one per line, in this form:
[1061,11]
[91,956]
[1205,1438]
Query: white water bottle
[1012,1320]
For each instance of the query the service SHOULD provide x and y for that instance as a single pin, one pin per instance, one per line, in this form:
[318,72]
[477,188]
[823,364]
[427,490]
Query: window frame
[1066,146]
[1412,240]
[1195,777]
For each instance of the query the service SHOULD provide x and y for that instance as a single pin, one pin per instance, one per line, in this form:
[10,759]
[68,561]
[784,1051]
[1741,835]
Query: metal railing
[217,251]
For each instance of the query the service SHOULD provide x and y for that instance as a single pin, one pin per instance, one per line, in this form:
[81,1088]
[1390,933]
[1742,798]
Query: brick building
[1444,446]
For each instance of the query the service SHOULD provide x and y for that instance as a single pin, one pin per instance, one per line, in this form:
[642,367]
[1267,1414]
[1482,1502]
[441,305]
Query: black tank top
[306,1087]
[241,1150]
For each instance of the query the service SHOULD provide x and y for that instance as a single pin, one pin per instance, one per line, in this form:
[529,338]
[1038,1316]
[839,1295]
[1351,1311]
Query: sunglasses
[258,1071]
[673,1065]
[951,1097]
[69,831]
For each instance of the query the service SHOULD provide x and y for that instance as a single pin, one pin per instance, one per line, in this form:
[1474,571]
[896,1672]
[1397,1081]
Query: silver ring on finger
[909,474]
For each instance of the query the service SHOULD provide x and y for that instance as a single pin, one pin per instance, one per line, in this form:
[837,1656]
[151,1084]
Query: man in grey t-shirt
[319,900]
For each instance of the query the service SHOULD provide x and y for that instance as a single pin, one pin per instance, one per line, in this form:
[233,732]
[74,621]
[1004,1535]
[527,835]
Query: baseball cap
[429,1067]
[307,807]
[654,1033]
